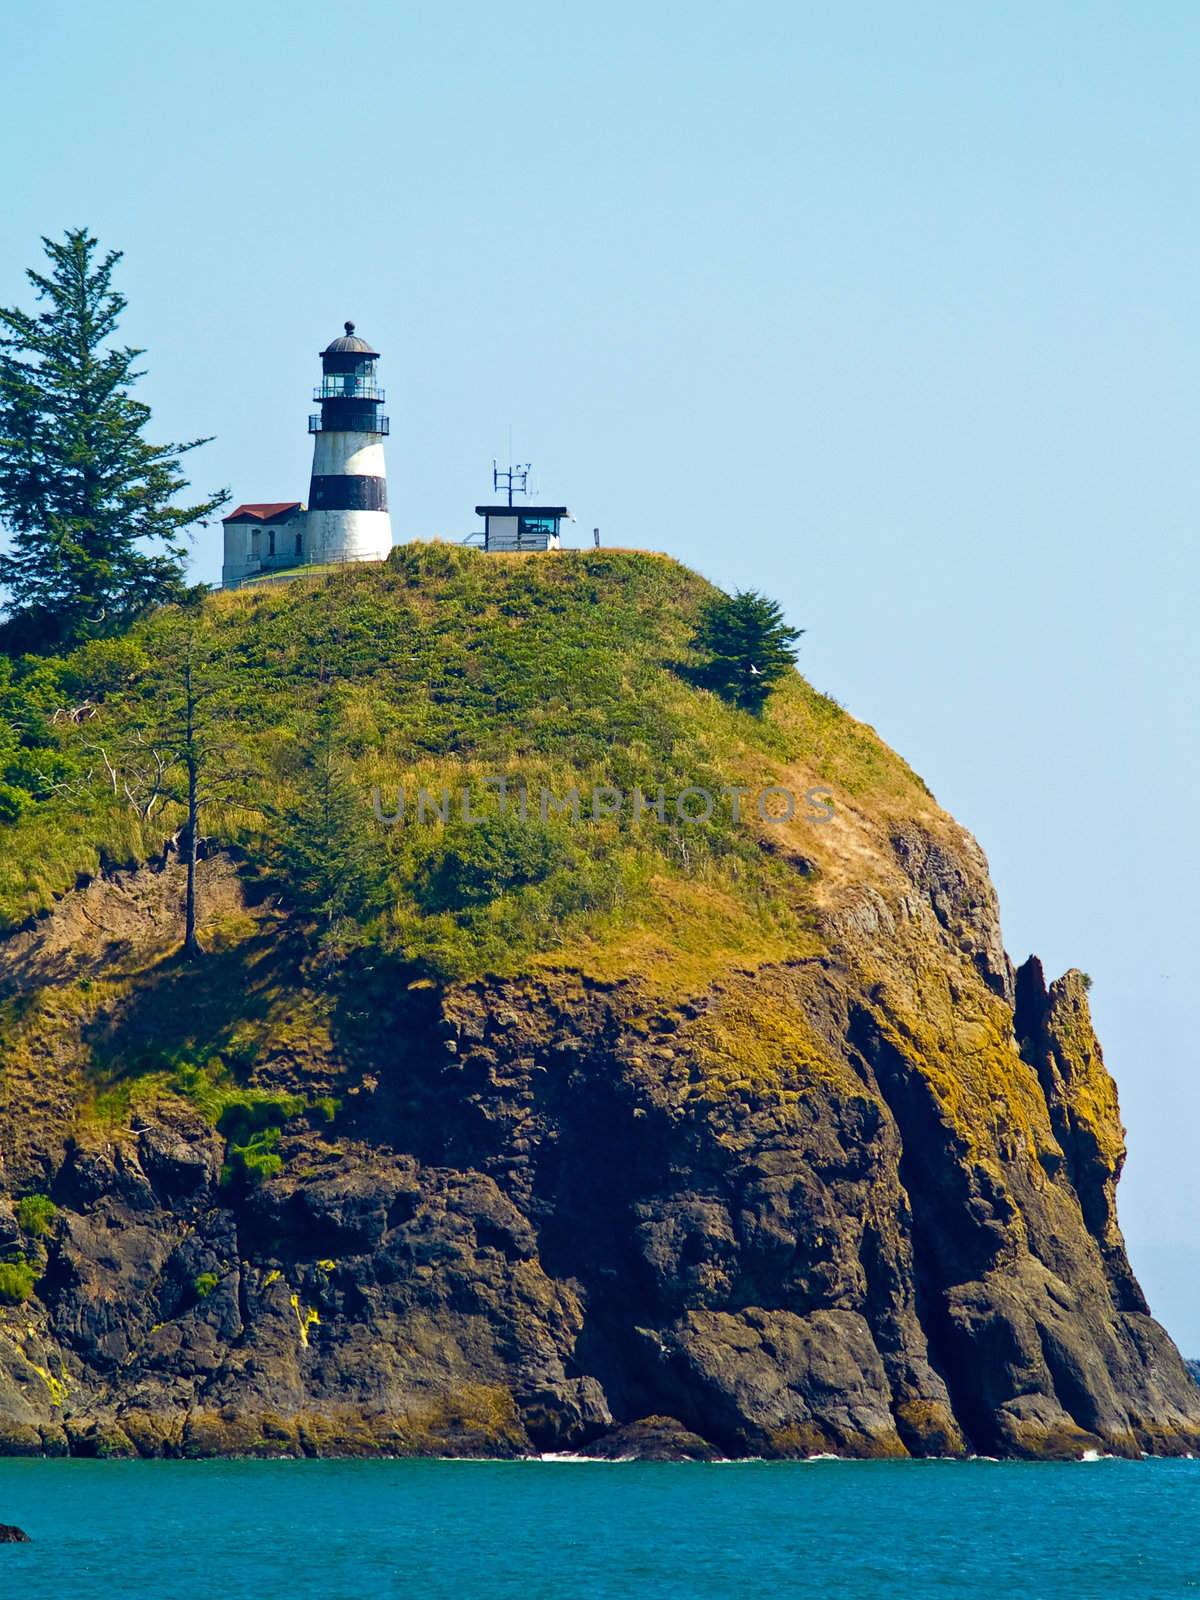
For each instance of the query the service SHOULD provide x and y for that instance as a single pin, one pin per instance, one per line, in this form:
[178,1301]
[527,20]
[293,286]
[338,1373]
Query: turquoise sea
[469,1530]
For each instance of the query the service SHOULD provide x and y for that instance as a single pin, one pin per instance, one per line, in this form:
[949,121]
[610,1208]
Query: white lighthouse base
[348,467]
[348,536]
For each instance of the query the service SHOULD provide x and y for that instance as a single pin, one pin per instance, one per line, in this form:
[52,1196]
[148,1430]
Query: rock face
[861,1203]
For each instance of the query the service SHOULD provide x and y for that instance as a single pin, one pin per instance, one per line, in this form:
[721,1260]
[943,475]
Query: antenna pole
[514,479]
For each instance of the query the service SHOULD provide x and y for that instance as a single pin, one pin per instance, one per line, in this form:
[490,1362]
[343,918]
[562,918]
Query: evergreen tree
[328,855]
[748,646]
[89,505]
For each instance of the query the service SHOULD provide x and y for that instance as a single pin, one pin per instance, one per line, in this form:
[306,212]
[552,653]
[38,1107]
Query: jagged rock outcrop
[858,1202]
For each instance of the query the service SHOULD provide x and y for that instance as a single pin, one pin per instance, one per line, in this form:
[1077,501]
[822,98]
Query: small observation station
[521,528]
[524,527]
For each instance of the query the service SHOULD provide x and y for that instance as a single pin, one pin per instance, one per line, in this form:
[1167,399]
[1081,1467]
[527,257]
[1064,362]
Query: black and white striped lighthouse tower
[347,500]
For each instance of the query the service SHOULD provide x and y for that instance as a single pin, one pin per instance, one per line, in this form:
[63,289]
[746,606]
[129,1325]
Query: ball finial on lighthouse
[347,503]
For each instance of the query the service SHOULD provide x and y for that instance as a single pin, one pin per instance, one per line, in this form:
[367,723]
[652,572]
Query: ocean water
[467,1530]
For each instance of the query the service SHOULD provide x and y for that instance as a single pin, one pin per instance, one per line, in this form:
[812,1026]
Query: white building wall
[235,558]
[248,545]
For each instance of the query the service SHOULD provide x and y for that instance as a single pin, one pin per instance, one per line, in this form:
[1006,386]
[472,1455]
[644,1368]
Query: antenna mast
[513,479]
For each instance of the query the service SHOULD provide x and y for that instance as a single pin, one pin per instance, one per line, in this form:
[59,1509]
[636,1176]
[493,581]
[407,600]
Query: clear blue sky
[889,309]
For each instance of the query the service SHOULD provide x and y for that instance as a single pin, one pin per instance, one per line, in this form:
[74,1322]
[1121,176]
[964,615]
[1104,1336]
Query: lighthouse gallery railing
[379,425]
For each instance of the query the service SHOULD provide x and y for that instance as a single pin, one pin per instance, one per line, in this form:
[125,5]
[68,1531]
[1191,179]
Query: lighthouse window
[349,385]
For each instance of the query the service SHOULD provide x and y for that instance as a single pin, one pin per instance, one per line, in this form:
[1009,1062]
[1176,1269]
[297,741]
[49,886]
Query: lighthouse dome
[349,345]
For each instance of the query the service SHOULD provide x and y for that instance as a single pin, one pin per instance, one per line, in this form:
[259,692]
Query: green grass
[254,1161]
[250,1119]
[444,668]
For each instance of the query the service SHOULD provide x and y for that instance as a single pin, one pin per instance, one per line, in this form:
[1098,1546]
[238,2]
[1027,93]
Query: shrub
[476,863]
[36,1214]
[102,666]
[12,802]
[204,1283]
[17,1279]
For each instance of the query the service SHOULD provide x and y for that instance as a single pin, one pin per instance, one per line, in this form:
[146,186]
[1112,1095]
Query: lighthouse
[347,501]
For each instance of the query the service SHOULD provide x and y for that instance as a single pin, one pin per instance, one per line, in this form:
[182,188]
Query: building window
[299,544]
[537,527]
[271,542]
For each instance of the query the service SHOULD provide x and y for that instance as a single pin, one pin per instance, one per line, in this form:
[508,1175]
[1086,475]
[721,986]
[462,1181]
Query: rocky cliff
[852,1190]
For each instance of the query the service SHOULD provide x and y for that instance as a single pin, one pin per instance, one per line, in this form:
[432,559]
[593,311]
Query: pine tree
[748,646]
[328,855]
[90,506]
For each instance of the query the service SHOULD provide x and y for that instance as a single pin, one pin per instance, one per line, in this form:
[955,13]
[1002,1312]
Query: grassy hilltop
[443,669]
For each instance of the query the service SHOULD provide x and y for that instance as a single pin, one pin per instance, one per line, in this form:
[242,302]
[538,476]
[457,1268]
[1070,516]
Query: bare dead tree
[143,778]
[130,768]
[75,716]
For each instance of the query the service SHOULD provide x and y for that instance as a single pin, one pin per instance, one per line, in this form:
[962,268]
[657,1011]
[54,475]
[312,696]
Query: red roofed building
[263,538]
